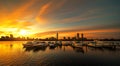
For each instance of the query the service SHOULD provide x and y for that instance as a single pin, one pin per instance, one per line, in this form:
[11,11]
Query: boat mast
[56,37]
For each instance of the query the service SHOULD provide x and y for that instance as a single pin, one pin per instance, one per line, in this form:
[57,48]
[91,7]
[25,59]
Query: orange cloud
[44,8]
[19,12]
[48,8]
[51,7]
[42,11]
[95,33]
[11,20]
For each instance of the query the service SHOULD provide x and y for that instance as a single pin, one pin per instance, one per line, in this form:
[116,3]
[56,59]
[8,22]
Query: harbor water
[12,53]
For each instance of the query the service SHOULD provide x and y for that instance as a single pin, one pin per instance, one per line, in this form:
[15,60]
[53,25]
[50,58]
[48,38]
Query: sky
[43,18]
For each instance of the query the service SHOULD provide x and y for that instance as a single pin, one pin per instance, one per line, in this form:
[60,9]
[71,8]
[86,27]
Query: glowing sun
[23,32]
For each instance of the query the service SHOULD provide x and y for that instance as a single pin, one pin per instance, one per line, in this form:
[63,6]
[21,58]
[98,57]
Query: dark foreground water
[13,54]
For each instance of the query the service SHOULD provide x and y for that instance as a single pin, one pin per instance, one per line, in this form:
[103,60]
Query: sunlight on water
[12,53]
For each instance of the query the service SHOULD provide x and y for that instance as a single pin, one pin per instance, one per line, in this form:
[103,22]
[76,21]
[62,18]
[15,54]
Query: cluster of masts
[79,44]
[76,44]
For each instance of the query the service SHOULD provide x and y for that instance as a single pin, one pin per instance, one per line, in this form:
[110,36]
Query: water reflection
[81,50]
[104,49]
[11,45]
[35,49]
[14,54]
[52,47]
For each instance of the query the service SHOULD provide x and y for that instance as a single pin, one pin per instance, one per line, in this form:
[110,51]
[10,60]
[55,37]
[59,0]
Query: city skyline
[57,37]
[44,18]
[77,37]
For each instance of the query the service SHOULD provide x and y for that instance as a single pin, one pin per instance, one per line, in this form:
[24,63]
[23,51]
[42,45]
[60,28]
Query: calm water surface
[12,53]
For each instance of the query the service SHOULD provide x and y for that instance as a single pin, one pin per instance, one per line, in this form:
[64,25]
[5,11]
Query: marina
[78,44]
[59,32]
[16,54]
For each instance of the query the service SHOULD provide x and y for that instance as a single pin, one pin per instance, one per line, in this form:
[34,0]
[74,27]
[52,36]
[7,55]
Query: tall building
[78,37]
[11,35]
[68,38]
[64,38]
[57,36]
[82,36]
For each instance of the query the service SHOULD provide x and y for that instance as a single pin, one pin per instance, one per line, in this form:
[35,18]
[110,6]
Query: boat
[67,43]
[39,44]
[28,44]
[51,44]
[110,45]
[58,43]
[95,44]
[34,44]
[77,44]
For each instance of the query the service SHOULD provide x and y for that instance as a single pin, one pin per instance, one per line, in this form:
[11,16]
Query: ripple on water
[58,56]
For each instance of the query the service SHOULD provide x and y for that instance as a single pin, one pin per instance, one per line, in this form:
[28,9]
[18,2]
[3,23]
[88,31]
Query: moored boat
[28,44]
[77,44]
[34,44]
[51,44]
[96,44]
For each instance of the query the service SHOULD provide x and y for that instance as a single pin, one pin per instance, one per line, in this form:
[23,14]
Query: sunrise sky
[43,18]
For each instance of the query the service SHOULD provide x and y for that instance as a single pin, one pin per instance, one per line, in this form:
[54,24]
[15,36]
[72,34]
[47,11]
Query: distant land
[77,38]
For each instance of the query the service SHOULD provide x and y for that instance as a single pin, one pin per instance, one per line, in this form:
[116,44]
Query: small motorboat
[96,44]
[39,44]
[51,44]
[28,44]
[77,44]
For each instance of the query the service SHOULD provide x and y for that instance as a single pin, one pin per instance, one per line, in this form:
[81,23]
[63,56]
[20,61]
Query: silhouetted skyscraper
[82,37]
[11,35]
[64,38]
[78,37]
[57,36]
[68,38]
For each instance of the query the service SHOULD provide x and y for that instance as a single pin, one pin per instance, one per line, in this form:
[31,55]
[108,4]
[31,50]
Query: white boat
[77,44]
[51,44]
[110,45]
[28,44]
[39,44]
[96,44]
[35,44]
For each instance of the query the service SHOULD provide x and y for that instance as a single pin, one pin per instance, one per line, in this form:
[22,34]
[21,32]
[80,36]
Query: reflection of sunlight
[11,47]
[10,50]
